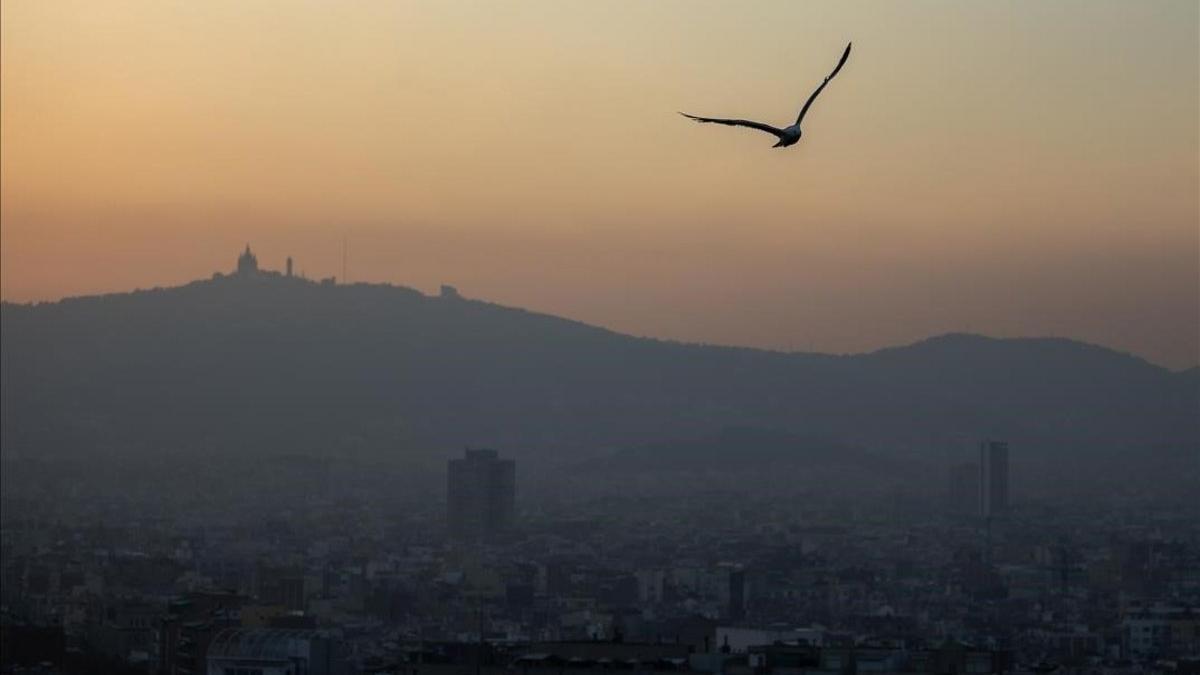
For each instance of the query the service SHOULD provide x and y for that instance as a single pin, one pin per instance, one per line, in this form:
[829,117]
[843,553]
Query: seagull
[789,135]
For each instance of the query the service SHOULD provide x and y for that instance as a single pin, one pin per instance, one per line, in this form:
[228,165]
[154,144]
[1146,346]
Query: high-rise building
[993,478]
[480,494]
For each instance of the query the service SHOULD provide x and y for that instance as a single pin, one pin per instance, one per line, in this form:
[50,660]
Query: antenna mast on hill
[345,279]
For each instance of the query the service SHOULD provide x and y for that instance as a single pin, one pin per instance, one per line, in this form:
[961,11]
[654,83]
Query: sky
[1017,168]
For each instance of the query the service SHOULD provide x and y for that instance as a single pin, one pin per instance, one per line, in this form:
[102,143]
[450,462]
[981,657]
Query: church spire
[247,262]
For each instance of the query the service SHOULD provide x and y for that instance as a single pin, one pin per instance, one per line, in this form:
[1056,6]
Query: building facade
[480,494]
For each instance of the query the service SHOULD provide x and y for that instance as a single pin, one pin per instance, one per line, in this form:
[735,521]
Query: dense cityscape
[475,576]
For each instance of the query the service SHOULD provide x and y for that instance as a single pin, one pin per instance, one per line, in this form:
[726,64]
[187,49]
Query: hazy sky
[1008,168]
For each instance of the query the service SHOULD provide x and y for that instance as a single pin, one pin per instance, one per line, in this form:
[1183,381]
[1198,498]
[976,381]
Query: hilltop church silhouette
[247,262]
[247,265]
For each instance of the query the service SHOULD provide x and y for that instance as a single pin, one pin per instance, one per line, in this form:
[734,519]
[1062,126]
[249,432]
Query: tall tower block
[481,491]
[993,478]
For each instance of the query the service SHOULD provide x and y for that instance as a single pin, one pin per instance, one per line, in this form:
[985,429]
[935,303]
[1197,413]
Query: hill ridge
[939,338]
[238,365]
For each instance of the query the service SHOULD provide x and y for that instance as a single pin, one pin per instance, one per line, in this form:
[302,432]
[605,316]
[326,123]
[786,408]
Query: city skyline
[1030,170]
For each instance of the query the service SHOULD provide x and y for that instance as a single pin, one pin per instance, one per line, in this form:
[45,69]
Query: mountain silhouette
[264,362]
[731,449]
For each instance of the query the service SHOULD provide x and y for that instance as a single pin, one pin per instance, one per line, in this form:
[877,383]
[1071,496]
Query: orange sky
[1015,168]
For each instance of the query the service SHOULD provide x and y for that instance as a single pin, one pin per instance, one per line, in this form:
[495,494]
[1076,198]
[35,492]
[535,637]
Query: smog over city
[561,338]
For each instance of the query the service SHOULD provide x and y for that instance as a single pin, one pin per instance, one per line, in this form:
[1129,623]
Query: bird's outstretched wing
[809,102]
[738,123]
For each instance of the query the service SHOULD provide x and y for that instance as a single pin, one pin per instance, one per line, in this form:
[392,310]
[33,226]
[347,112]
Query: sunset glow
[1013,169]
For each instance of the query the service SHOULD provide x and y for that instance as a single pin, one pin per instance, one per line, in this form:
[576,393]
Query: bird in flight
[788,135]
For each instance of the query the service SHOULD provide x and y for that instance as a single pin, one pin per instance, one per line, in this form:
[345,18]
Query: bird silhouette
[788,135]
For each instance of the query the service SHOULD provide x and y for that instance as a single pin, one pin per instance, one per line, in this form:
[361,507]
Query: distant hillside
[264,362]
[732,447]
